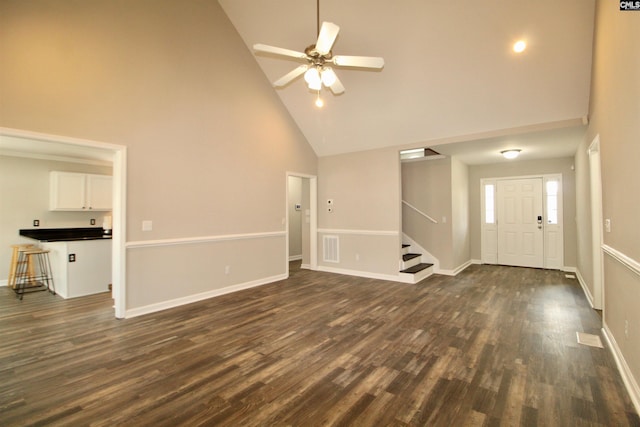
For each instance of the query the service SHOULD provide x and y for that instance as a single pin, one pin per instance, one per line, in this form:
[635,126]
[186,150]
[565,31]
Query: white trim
[597,237]
[203,239]
[366,274]
[623,259]
[10,153]
[625,372]
[4,282]
[568,269]
[164,305]
[295,258]
[306,266]
[585,288]
[455,271]
[359,232]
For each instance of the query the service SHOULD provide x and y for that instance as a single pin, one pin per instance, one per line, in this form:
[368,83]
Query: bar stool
[13,267]
[40,279]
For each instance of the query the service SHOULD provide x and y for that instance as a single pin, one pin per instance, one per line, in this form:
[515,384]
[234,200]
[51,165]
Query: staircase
[412,269]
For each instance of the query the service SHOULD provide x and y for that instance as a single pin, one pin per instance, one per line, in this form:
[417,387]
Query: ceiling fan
[319,57]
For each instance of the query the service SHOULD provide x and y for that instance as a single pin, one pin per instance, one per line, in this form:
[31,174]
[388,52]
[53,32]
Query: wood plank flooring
[493,346]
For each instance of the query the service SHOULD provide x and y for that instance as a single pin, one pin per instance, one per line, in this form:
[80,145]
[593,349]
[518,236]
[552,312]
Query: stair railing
[420,212]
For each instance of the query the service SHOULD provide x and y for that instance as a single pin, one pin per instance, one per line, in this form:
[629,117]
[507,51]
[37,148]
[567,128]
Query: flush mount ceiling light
[510,154]
[319,56]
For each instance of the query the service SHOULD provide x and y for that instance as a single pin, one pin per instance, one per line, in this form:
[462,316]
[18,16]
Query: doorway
[301,220]
[522,221]
[55,144]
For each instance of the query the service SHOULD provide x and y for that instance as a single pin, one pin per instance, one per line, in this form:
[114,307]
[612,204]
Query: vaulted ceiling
[450,75]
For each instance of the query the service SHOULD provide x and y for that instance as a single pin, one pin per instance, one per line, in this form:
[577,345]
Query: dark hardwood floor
[492,346]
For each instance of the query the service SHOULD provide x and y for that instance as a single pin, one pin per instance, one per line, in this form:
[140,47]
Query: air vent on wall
[330,249]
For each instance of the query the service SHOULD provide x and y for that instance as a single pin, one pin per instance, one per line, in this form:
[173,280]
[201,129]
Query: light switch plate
[147,225]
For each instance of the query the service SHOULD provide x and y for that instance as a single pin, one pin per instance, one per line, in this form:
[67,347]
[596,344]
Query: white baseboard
[584,287]
[627,377]
[455,271]
[295,257]
[568,269]
[4,282]
[306,266]
[367,274]
[152,308]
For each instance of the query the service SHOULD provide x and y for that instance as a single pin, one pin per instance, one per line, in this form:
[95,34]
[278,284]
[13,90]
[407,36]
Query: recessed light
[519,46]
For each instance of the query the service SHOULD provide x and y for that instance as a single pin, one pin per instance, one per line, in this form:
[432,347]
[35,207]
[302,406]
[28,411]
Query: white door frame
[119,158]
[595,185]
[313,219]
[488,232]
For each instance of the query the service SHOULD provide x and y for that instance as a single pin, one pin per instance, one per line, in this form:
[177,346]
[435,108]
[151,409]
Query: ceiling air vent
[420,154]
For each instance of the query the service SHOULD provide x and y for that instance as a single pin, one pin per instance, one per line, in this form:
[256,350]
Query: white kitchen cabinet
[70,191]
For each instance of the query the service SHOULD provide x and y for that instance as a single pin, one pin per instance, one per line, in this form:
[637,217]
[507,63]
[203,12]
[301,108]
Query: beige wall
[365,188]
[24,196]
[440,189]
[584,253]
[526,168]
[208,140]
[614,113]
[460,238]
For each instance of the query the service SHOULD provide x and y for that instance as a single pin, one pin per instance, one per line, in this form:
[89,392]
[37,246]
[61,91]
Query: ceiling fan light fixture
[312,77]
[328,76]
[510,154]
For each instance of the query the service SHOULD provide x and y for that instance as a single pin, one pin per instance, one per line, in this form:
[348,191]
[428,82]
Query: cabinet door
[67,191]
[99,192]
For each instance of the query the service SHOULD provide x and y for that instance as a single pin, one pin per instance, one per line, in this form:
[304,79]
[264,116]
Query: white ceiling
[450,72]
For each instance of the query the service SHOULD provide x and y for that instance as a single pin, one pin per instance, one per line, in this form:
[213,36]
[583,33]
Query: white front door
[520,228]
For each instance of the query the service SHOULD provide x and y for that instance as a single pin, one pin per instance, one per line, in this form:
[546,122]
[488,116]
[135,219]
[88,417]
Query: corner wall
[365,189]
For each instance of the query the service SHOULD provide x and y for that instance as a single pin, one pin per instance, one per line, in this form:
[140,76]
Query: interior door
[520,228]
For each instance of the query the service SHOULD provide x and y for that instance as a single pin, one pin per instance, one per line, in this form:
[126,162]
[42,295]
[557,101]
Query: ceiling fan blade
[326,38]
[279,51]
[337,87]
[296,72]
[358,61]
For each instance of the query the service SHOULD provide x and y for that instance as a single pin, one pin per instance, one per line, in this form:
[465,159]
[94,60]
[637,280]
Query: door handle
[539,222]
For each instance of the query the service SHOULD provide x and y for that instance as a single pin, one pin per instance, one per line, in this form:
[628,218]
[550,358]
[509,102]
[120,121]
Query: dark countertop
[65,234]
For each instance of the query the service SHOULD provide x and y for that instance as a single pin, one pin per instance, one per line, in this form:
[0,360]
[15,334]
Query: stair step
[417,268]
[408,257]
